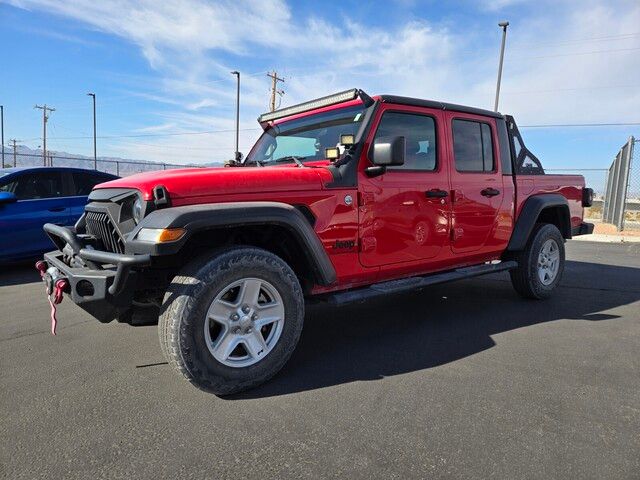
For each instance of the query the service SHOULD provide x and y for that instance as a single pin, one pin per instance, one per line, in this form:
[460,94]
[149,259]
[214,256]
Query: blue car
[31,197]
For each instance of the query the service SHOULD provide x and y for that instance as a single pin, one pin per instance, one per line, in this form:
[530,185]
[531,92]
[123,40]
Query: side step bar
[407,284]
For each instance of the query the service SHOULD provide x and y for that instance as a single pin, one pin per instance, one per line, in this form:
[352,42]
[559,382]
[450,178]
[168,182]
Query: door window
[419,132]
[38,185]
[85,181]
[472,146]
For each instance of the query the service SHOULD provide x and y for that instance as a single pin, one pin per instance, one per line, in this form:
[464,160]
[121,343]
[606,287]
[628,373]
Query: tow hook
[55,286]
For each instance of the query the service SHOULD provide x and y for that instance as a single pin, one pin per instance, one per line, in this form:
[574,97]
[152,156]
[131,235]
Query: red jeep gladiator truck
[342,199]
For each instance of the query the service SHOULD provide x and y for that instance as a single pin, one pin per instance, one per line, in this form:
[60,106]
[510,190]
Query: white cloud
[190,44]
[495,5]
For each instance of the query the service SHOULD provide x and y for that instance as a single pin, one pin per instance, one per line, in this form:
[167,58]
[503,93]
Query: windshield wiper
[296,159]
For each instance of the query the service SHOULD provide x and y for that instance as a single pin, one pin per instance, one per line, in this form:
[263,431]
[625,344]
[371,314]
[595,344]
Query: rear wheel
[232,322]
[540,264]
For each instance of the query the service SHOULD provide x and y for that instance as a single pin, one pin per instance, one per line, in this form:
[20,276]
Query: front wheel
[231,322]
[540,264]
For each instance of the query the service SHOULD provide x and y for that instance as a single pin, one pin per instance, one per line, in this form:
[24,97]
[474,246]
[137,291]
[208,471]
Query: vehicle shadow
[19,273]
[441,324]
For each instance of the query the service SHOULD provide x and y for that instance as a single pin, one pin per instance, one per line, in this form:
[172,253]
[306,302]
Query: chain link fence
[632,203]
[122,168]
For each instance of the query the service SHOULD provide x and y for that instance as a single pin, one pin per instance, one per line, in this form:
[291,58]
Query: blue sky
[162,68]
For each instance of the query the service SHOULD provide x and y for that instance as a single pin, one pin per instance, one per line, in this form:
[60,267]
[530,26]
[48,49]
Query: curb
[602,238]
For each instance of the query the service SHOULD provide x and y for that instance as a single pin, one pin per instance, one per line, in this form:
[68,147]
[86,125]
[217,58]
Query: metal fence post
[615,188]
[608,194]
[631,187]
[621,196]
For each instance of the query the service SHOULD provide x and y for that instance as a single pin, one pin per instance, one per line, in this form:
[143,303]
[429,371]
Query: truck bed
[569,186]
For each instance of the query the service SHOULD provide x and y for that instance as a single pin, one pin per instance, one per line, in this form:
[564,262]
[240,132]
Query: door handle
[57,209]
[436,193]
[490,192]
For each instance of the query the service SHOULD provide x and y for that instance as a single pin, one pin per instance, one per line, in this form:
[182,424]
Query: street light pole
[504,26]
[95,155]
[237,154]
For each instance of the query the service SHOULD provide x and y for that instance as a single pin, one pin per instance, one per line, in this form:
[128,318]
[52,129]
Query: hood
[194,182]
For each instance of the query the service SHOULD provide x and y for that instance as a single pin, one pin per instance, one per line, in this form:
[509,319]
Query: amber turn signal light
[160,235]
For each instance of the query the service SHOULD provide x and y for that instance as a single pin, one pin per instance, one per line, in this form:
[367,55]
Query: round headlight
[137,210]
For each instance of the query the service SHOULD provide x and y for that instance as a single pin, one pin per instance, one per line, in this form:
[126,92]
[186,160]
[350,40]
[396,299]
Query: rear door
[476,182]
[404,213]
[40,200]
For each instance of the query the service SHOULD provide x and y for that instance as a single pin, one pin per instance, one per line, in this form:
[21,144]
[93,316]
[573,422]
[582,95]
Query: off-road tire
[183,312]
[525,278]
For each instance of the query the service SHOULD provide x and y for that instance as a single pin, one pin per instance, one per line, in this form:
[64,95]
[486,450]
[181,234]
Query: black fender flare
[197,218]
[529,214]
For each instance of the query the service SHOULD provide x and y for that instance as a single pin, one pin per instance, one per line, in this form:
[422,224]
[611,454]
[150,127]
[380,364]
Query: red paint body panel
[209,183]
[569,186]
[395,229]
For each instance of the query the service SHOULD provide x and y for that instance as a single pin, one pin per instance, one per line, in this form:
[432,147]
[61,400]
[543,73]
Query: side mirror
[389,151]
[7,197]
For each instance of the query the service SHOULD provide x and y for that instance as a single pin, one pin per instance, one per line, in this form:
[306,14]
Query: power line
[182,147]
[558,125]
[576,169]
[575,54]
[623,36]
[551,90]
[203,132]
[207,132]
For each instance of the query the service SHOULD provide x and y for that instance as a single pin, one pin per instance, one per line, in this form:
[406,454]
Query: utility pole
[2,129]
[45,117]
[504,26]
[237,154]
[95,154]
[274,88]
[15,147]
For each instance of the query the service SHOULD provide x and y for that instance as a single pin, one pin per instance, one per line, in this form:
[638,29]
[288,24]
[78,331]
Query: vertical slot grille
[100,226]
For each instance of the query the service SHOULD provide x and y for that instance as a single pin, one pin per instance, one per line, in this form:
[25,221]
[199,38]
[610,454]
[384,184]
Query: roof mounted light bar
[317,103]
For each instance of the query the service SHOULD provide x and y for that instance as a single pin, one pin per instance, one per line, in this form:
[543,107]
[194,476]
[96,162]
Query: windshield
[306,138]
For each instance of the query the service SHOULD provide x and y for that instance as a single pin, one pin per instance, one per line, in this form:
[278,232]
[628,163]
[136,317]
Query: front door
[404,213]
[476,182]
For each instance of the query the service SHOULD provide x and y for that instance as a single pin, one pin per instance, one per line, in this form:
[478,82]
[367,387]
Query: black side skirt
[408,284]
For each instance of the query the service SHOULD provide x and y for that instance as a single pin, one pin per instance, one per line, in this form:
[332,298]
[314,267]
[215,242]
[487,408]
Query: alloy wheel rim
[548,262]
[244,322]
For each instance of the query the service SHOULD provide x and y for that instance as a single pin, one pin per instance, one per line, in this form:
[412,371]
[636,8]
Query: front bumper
[102,283]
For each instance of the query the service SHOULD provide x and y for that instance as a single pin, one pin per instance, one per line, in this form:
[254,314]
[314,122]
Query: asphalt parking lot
[463,380]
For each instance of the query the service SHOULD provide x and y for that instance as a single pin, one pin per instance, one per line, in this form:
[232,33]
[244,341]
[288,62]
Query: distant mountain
[27,157]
